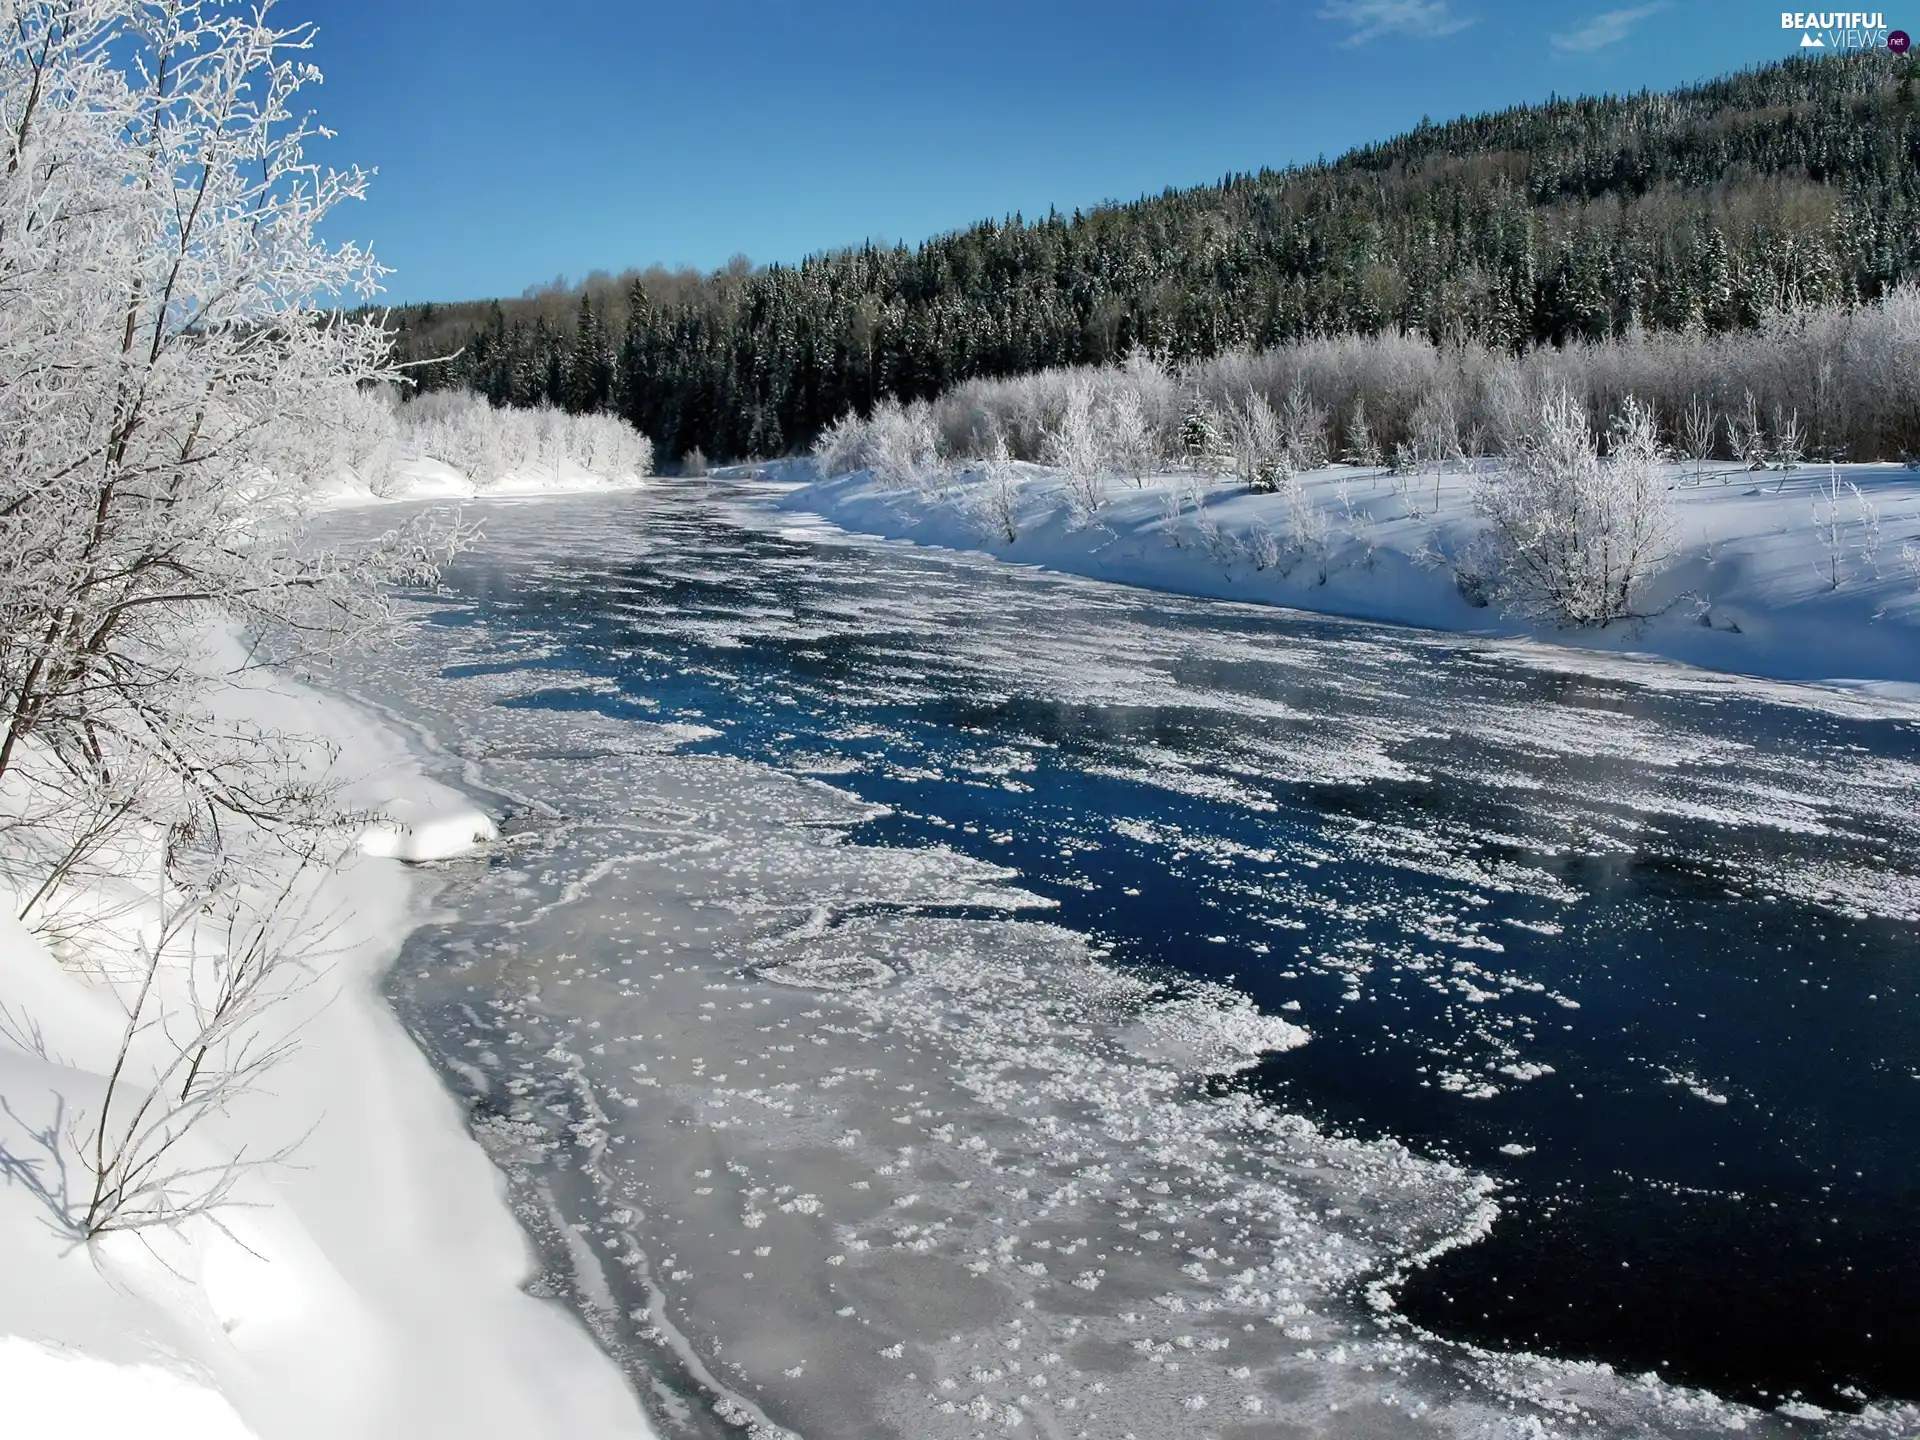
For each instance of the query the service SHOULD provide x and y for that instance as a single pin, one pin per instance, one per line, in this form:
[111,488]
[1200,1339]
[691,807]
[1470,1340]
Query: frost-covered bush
[841,448]
[906,451]
[448,426]
[1138,407]
[1575,538]
[898,443]
[997,505]
[367,439]
[610,447]
[1075,448]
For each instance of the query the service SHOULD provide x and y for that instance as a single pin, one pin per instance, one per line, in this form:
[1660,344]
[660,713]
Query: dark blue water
[1638,942]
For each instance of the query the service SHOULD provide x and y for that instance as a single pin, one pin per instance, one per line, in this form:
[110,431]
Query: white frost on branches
[999,502]
[897,443]
[1073,444]
[383,437]
[173,381]
[1577,538]
[168,378]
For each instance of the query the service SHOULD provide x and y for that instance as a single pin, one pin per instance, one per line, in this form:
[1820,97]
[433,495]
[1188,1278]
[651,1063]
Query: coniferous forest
[1706,208]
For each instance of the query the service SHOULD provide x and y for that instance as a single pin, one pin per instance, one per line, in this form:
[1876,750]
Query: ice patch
[1218,1031]
[823,973]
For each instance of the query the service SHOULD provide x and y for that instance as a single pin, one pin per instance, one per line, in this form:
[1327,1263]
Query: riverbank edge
[375,1286]
[1746,603]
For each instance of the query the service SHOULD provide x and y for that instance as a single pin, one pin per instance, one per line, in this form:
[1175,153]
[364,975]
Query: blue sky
[516,141]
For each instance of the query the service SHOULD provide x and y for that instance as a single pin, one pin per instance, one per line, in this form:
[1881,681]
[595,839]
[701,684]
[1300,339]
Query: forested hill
[1795,183]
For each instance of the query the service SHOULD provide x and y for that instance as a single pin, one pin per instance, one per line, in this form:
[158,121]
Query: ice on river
[840,1139]
[887,1164]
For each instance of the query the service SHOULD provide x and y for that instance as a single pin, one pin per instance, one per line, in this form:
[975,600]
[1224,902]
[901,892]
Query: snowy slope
[1752,590]
[370,1289]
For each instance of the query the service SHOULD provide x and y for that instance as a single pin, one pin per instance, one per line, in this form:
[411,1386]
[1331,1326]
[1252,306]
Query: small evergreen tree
[1362,448]
[1200,437]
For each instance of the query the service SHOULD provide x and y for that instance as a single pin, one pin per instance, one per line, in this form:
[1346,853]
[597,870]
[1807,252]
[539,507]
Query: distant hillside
[1709,206]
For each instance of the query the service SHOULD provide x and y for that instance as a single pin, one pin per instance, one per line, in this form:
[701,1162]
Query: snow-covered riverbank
[1791,576]
[430,479]
[371,1287]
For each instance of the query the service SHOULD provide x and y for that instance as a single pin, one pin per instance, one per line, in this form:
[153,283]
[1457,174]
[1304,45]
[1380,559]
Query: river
[920,996]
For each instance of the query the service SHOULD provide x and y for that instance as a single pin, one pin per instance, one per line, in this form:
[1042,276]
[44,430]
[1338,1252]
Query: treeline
[1827,383]
[1703,210]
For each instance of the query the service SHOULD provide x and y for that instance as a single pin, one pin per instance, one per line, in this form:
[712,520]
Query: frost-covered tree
[1576,538]
[1128,435]
[1789,440]
[1436,435]
[173,377]
[169,377]
[1200,437]
[1303,429]
[1260,455]
[1699,427]
[1363,448]
[1746,435]
[1073,444]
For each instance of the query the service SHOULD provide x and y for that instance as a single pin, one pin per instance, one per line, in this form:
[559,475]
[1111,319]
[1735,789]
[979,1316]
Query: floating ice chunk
[1695,1086]
[1467,1086]
[1216,1031]
[679,732]
[1526,1070]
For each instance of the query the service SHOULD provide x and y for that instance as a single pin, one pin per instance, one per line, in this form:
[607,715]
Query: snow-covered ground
[430,479]
[371,1287]
[1790,576]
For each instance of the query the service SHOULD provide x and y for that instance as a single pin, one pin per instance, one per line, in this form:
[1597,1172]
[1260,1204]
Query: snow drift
[370,1287]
